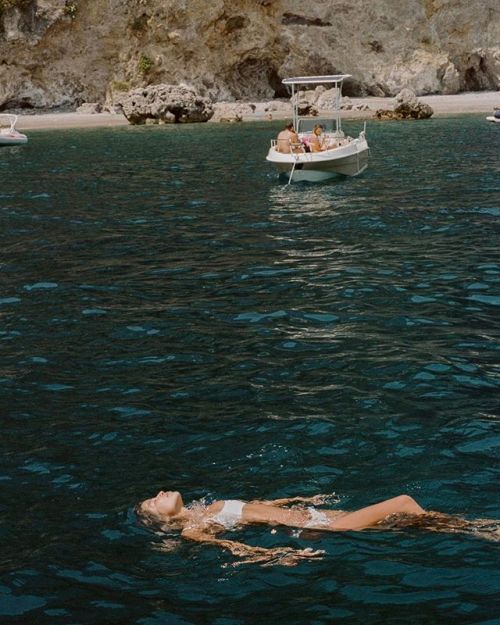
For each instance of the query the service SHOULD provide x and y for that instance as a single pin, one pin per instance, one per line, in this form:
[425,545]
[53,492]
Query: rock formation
[66,52]
[314,101]
[89,108]
[407,106]
[165,104]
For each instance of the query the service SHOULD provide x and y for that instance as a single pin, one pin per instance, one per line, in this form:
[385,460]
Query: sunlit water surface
[172,316]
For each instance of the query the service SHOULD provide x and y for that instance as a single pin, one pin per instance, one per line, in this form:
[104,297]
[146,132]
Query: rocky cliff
[64,52]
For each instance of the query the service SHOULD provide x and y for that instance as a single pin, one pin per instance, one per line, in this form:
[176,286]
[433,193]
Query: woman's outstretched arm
[314,499]
[276,555]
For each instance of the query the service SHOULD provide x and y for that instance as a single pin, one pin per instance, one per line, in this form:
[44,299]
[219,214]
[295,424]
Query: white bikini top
[230,515]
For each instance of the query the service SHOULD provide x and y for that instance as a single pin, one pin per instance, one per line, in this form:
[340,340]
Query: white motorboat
[341,155]
[493,118]
[8,133]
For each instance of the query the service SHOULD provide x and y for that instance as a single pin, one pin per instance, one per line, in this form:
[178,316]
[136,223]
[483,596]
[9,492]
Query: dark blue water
[173,317]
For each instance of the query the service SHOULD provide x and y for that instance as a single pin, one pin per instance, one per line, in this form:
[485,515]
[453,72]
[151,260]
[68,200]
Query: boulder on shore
[407,106]
[91,108]
[167,104]
[232,111]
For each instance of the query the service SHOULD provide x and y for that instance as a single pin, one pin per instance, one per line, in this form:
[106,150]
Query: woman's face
[165,504]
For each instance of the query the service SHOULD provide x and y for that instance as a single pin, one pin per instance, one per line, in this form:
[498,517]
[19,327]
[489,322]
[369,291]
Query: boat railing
[11,120]
[331,142]
[295,147]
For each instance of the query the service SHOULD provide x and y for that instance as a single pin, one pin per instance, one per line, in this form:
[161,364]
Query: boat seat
[296,147]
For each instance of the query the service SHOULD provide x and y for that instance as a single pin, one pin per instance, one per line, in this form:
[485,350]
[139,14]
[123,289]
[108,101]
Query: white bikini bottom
[317,518]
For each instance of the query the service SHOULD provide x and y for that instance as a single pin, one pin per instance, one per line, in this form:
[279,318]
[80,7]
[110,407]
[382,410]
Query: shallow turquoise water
[188,322]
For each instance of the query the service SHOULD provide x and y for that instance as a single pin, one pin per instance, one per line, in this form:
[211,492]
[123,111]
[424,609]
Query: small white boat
[345,156]
[492,118]
[8,133]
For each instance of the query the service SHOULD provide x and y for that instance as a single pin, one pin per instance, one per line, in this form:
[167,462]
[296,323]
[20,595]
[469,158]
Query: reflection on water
[191,322]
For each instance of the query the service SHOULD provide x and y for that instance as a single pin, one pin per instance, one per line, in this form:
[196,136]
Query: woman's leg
[371,515]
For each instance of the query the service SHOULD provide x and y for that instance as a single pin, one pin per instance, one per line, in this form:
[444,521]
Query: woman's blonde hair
[153,522]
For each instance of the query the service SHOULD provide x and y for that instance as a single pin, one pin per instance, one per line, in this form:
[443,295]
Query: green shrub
[120,85]
[145,64]
[70,9]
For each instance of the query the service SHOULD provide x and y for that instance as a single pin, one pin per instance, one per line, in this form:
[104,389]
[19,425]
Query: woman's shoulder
[215,507]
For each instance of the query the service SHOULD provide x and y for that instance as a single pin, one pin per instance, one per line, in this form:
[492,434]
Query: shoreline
[444,105]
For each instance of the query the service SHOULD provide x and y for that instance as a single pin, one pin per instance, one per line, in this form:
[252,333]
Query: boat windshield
[306,124]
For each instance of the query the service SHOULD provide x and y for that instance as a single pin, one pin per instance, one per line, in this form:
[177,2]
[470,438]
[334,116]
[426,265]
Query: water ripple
[191,322]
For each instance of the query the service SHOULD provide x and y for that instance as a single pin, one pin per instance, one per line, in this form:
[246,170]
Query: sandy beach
[50,121]
[443,105]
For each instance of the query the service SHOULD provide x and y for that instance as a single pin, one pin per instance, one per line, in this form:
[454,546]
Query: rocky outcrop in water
[406,106]
[166,104]
[66,52]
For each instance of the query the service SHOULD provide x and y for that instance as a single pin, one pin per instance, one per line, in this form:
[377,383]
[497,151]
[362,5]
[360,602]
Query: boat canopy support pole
[291,173]
[338,89]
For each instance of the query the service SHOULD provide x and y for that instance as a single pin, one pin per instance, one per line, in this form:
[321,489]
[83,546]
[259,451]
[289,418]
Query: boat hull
[491,118]
[349,160]
[12,138]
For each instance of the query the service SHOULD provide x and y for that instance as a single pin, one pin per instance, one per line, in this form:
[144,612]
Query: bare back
[285,138]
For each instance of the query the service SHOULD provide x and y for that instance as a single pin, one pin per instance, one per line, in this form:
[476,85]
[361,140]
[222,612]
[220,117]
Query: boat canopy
[310,80]
[335,79]
[10,118]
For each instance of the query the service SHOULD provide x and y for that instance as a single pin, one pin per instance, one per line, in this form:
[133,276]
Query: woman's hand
[284,556]
[316,500]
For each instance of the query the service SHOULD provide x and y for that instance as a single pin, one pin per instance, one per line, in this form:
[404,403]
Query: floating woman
[203,523]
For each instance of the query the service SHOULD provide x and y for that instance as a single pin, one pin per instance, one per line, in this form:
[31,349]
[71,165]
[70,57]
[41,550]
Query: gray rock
[90,108]
[232,111]
[346,104]
[115,109]
[306,102]
[450,79]
[406,97]
[407,106]
[166,104]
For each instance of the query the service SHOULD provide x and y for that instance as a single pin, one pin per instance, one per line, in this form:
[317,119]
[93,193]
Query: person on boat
[316,140]
[288,140]
[202,523]
[496,112]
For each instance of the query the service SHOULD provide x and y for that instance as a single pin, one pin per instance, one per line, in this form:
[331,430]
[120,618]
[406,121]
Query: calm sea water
[173,317]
